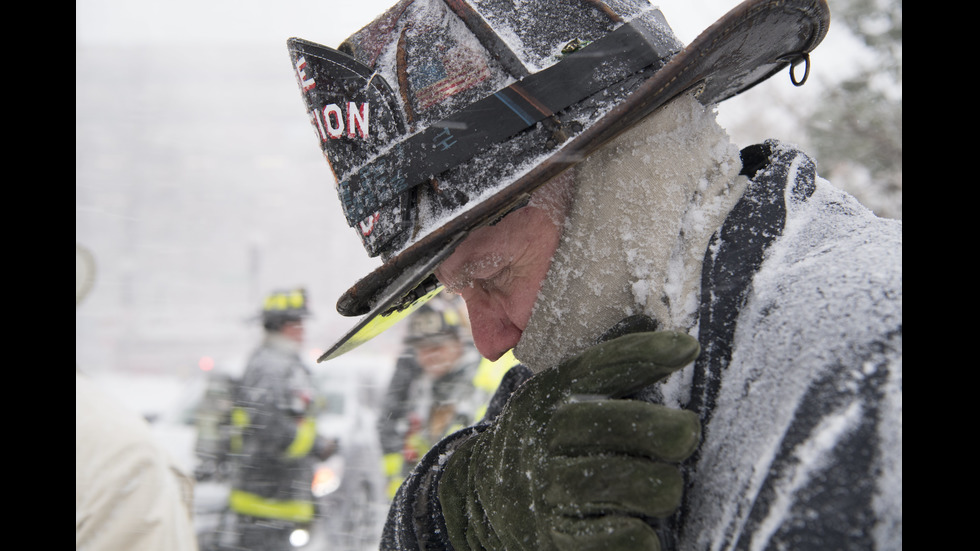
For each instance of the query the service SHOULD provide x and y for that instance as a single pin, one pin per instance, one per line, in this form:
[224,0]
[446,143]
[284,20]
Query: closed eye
[479,272]
[498,281]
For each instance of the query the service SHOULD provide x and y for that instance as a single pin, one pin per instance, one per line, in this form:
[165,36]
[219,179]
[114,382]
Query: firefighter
[440,384]
[710,336]
[274,439]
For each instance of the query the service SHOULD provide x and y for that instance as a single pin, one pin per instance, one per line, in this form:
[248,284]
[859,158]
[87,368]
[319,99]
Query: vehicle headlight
[299,537]
[325,481]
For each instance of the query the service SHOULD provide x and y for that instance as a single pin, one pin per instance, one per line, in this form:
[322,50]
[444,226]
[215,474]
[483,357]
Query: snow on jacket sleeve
[800,380]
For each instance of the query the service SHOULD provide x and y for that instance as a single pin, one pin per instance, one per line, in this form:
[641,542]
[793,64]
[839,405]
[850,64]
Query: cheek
[522,294]
[521,305]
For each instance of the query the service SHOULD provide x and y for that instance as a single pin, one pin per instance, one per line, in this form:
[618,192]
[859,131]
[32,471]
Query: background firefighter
[274,440]
[440,384]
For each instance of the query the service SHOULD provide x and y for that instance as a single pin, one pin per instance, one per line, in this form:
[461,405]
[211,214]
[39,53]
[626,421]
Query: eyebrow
[463,276]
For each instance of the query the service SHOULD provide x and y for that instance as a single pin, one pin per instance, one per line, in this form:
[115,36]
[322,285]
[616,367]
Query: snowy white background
[200,187]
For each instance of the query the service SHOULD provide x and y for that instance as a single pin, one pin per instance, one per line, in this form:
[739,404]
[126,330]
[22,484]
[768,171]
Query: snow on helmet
[442,116]
[283,306]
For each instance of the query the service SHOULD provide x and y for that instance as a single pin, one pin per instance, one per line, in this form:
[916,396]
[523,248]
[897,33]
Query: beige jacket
[129,494]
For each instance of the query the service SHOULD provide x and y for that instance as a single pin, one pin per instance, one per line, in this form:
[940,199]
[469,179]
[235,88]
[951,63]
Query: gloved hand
[568,465]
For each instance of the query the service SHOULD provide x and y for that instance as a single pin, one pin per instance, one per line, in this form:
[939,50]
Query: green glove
[570,465]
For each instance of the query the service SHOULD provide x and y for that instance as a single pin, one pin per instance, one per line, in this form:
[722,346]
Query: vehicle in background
[350,486]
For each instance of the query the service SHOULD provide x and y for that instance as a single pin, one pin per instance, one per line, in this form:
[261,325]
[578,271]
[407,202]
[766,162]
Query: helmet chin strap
[646,205]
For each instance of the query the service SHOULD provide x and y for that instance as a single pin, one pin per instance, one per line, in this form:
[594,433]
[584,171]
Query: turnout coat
[798,386]
[275,441]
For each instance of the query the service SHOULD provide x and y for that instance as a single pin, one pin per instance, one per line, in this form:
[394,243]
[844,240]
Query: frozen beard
[645,207]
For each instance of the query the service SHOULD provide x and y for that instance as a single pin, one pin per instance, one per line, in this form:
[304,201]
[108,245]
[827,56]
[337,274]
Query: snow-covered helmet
[283,306]
[442,116]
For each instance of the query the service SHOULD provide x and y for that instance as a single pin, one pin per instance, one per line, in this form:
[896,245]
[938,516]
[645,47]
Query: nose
[493,331]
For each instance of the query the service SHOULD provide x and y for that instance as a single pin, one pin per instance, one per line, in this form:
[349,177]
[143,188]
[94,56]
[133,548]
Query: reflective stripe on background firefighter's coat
[248,503]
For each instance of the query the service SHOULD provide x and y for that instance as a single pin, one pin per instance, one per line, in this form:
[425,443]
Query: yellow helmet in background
[283,306]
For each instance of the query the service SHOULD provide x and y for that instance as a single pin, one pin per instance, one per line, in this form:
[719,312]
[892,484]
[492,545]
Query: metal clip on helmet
[442,116]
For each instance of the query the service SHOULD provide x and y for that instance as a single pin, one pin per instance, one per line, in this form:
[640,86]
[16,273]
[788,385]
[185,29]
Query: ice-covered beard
[644,207]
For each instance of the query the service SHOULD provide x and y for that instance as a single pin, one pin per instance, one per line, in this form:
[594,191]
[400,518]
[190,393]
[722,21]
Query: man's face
[498,271]
[293,330]
[437,357]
